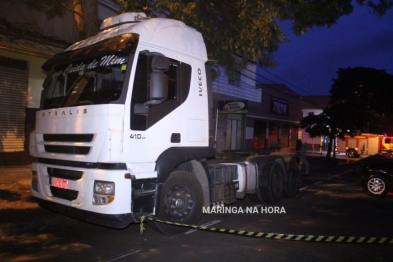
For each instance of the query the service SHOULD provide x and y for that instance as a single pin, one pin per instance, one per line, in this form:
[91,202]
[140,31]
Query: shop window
[235,80]
[284,138]
[273,134]
[259,134]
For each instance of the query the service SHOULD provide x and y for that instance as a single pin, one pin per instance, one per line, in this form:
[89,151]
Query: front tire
[180,201]
[376,186]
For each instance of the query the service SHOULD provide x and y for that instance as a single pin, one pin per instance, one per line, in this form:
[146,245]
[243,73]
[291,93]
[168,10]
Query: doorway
[234,138]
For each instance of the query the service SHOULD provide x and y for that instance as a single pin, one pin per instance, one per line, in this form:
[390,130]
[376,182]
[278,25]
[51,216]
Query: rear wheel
[181,201]
[352,153]
[376,186]
[275,189]
[293,181]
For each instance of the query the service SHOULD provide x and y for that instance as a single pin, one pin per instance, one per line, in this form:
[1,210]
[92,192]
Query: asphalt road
[330,203]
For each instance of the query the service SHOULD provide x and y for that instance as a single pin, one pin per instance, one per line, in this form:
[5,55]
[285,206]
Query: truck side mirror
[158,81]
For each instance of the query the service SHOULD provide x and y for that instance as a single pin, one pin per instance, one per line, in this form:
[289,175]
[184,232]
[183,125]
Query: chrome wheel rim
[376,185]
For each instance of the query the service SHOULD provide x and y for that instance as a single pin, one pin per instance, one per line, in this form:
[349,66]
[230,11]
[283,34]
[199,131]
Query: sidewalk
[17,207]
[19,174]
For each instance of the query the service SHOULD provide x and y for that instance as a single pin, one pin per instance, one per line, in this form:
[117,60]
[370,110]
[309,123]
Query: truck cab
[116,108]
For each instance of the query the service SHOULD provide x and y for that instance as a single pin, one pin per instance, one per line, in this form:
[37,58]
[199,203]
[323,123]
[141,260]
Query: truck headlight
[104,192]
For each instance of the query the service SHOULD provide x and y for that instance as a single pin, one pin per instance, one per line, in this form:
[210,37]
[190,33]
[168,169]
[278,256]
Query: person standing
[303,159]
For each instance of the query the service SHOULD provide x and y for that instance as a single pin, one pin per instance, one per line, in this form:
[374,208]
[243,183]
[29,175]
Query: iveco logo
[200,81]
[70,112]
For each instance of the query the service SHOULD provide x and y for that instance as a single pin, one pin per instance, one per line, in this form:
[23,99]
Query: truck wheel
[275,188]
[264,164]
[352,153]
[293,180]
[376,186]
[180,201]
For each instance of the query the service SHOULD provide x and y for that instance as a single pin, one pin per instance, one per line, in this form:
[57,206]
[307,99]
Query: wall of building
[20,16]
[107,8]
[36,75]
[246,90]
[281,95]
[33,89]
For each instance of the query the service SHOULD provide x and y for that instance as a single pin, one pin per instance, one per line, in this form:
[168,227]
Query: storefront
[275,121]
[259,127]
[231,117]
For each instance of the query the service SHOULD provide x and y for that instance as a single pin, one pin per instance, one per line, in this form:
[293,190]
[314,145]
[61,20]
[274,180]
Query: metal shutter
[13,104]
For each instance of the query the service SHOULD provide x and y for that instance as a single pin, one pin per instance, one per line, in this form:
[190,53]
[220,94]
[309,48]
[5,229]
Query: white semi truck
[123,131]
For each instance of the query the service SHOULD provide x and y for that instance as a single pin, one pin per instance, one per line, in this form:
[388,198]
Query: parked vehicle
[364,144]
[376,174]
[123,131]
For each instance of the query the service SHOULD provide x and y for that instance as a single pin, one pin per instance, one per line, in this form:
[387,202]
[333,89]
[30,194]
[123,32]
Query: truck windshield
[97,80]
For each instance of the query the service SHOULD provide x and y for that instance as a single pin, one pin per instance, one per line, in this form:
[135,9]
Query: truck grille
[63,148]
[68,137]
[75,150]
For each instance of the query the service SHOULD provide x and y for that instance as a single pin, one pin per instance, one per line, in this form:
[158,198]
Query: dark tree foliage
[360,101]
[362,98]
[321,125]
[380,7]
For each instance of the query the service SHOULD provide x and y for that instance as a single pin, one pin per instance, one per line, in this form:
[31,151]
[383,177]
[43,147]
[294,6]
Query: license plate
[60,183]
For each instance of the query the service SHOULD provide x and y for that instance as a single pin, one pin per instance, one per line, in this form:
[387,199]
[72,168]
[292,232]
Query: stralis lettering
[69,112]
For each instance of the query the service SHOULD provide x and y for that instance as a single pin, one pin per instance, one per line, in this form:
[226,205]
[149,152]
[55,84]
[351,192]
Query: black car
[376,173]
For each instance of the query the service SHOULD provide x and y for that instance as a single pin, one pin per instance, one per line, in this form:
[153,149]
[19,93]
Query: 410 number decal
[136,136]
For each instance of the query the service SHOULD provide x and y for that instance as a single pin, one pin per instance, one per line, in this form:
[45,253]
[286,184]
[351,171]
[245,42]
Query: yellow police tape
[277,236]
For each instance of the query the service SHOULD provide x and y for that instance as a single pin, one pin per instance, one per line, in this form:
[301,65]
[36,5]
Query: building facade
[250,117]
[275,122]
[231,98]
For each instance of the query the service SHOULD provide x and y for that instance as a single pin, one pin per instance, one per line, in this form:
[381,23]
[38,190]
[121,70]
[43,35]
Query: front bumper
[76,200]
[108,220]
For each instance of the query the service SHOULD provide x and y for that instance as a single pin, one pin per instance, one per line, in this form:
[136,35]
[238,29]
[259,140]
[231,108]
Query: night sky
[308,63]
